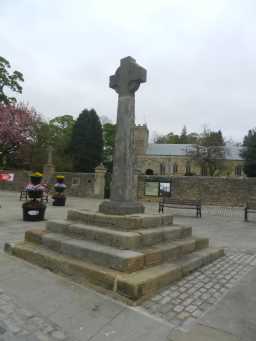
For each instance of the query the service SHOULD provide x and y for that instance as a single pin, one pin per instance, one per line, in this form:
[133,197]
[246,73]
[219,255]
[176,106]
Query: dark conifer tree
[249,153]
[87,142]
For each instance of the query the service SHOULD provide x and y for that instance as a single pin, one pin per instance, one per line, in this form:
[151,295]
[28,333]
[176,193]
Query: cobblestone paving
[18,323]
[187,300]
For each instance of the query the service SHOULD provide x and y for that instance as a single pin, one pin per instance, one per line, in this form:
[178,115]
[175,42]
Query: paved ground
[189,299]
[215,303]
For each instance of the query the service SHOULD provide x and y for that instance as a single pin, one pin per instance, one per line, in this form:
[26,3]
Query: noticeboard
[151,188]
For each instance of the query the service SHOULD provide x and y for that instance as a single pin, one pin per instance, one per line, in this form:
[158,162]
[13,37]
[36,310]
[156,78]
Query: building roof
[232,152]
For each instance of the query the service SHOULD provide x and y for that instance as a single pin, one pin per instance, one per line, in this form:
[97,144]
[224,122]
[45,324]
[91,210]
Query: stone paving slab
[51,304]
[183,302]
[18,323]
[63,305]
[202,333]
[236,313]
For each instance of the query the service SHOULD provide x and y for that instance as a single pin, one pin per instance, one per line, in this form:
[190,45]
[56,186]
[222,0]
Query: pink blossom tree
[17,123]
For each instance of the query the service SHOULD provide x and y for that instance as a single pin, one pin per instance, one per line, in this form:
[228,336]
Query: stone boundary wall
[225,191]
[78,184]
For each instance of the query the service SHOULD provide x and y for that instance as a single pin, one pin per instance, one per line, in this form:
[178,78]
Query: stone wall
[21,178]
[227,191]
[78,184]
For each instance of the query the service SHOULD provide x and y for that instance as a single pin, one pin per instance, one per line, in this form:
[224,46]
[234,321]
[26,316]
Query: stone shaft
[125,82]
[123,186]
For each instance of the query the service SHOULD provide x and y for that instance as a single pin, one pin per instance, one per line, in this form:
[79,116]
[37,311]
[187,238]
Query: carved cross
[128,77]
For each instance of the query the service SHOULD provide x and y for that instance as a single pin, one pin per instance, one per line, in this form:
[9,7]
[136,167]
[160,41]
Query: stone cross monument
[49,168]
[125,82]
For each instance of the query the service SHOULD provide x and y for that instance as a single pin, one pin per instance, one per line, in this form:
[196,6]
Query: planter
[59,201]
[35,180]
[59,189]
[37,194]
[33,211]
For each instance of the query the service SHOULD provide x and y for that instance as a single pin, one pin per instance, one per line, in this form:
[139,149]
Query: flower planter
[59,201]
[37,194]
[59,198]
[35,180]
[33,211]
[59,189]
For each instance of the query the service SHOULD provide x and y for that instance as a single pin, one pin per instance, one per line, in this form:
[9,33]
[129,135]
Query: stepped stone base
[121,208]
[132,256]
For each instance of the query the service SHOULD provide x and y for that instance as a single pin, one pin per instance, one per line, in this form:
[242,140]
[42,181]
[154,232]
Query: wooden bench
[178,203]
[250,207]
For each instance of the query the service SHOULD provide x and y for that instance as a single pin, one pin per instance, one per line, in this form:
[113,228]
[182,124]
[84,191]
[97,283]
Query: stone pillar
[99,185]
[49,169]
[123,197]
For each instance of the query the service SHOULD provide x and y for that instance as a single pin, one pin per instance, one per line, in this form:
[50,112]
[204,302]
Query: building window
[175,168]
[165,188]
[204,171]
[188,169]
[149,171]
[162,169]
[238,171]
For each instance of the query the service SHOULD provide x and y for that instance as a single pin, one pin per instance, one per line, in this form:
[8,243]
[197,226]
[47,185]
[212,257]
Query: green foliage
[87,142]
[249,153]
[183,138]
[109,131]
[211,138]
[36,156]
[60,134]
[169,138]
[210,152]
[10,81]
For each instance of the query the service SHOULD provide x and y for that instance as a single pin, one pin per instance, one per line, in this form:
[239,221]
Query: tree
[169,138]
[10,81]
[249,153]
[183,138]
[38,148]
[87,142]
[60,134]
[16,130]
[109,131]
[211,138]
[210,152]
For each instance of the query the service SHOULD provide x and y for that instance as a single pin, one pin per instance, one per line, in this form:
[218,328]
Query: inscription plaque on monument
[123,197]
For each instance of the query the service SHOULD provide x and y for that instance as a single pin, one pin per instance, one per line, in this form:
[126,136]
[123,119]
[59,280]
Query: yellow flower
[37,174]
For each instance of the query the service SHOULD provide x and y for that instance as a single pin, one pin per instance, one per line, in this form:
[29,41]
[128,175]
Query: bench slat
[178,203]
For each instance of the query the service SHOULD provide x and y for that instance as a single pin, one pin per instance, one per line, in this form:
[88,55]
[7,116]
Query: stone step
[120,222]
[147,282]
[169,251]
[133,287]
[121,260]
[130,240]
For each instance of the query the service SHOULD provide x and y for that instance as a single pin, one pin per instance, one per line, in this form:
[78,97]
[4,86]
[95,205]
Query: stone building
[175,159]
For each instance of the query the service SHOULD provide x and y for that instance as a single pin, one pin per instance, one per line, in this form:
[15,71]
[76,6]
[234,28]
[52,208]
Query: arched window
[204,171]
[175,168]
[238,171]
[149,171]
[188,169]
[162,169]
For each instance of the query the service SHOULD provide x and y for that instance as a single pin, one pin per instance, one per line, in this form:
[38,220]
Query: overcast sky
[200,56]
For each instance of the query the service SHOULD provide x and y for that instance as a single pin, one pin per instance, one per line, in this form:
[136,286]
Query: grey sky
[200,56]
